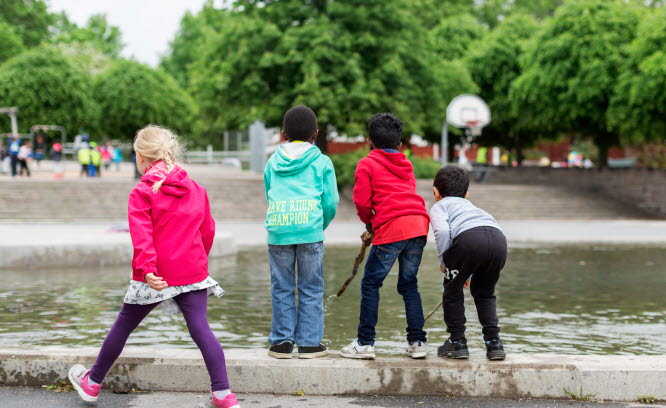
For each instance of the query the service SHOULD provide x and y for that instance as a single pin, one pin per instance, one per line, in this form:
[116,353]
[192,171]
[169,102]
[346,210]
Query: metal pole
[257,147]
[14,124]
[445,143]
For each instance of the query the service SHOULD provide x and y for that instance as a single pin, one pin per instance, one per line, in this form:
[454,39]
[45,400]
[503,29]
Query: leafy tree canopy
[493,64]
[346,59]
[98,34]
[453,36]
[638,107]
[571,68]
[11,44]
[30,19]
[47,89]
[190,40]
[132,95]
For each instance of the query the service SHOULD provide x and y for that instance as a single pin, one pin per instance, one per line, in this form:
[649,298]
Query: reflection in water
[573,300]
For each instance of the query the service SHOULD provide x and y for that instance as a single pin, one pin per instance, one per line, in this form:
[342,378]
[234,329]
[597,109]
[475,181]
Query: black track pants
[481,253]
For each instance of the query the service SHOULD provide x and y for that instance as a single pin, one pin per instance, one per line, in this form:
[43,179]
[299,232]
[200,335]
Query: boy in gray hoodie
[470,245]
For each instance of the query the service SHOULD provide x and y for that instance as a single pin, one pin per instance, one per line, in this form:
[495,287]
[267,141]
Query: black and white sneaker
[281,350]
[312,352]
[495,350]
[454,349]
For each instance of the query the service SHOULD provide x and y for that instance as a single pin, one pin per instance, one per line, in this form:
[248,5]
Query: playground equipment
[12,112]
[468,112]
[47,128]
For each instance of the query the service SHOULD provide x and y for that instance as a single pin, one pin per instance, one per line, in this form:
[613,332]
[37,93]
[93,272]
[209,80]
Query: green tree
[346,59]
[493,64]
[131,95]
[492,12]
[432,12]
[571,68]
[190,40]
[29,18]
[638,106]
[47,89]
[453,36]
[11,44]
[98,34]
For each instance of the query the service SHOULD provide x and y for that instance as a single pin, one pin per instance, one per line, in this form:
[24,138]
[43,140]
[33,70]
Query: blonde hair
[158,143]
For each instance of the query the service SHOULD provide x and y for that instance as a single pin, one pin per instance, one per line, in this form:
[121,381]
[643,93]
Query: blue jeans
[379,264]
[303,324]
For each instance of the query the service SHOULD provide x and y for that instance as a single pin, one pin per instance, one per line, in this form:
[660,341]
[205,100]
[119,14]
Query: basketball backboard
[466,111]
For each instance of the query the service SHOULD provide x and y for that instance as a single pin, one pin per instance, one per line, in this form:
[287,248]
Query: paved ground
[40,398]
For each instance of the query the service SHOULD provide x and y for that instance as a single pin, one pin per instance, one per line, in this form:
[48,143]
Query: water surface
[571,300]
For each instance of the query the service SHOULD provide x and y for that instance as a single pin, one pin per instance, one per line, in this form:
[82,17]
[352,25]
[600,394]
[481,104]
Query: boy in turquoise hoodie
[302,197]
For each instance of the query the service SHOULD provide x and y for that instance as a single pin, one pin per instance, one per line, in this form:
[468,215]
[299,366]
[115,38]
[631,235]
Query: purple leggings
[193,305]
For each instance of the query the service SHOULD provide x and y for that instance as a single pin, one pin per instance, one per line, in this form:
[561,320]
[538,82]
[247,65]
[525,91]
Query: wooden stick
[366,242]
[433,311]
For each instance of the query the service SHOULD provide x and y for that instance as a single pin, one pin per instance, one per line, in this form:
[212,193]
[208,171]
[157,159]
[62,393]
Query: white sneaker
[78,376]
[355,350]
[417,350]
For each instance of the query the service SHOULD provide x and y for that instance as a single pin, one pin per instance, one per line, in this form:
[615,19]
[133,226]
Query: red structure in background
[555,151]
[348,147]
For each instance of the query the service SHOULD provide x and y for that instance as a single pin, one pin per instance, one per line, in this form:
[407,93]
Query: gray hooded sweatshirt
[452,216]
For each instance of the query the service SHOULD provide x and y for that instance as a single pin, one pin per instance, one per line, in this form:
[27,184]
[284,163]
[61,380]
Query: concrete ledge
[37,246]
[252,371]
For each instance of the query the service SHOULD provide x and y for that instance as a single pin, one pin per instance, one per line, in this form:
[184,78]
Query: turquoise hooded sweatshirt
[302,196]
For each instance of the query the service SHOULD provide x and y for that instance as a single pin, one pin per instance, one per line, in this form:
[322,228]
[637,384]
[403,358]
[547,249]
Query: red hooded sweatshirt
[385,190]
[172,230]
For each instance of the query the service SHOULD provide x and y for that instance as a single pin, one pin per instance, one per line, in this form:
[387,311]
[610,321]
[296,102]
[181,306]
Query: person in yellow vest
[95,161]
[84,160]
[482,155]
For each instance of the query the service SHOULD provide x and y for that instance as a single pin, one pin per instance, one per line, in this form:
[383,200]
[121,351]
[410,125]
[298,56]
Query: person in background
[24,154]
[107,151]
[56,156]
[14,148]
[95,168]
[4,157]
[40,149]
[117,157]
[83,155]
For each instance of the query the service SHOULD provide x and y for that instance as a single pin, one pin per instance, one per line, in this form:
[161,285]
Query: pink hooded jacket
[172,230]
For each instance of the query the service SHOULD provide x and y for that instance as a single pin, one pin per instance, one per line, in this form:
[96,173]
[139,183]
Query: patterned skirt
[140,293]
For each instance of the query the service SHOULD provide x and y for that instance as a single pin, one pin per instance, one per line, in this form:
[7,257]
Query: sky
[147,26]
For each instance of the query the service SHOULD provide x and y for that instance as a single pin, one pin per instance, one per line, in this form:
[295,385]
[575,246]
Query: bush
[345,166]
[425,168]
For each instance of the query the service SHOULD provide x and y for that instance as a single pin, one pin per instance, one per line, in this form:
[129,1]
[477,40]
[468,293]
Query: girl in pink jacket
[172,233]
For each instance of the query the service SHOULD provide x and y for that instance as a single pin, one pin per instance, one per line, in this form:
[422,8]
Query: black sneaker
[281,350]
[312,352]
[454,349]
[495,350]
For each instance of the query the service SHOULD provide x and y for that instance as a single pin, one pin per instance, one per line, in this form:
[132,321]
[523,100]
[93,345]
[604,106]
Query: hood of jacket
[396,163]
[281,163]
[176,182]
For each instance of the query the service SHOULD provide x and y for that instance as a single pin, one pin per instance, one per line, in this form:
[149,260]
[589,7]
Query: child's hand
[442,268]
[467,283]
[155,282]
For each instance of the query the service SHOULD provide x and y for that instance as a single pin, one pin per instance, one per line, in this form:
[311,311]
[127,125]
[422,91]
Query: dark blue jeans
[379,264]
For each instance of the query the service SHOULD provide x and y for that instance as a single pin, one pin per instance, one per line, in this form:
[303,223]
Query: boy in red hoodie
[387,202]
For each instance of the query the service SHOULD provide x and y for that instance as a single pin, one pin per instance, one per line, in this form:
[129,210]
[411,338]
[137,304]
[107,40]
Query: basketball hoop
[468,112]
[473,128]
